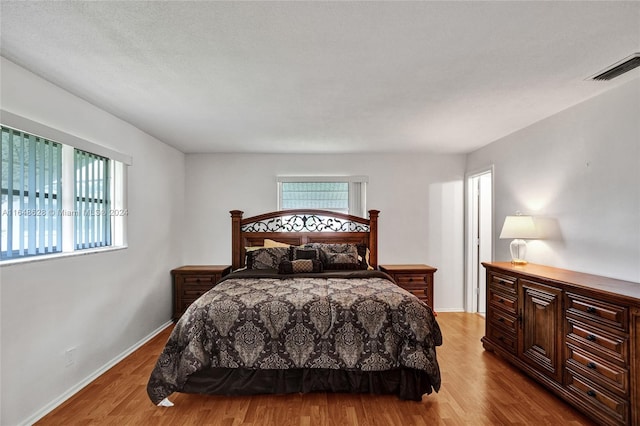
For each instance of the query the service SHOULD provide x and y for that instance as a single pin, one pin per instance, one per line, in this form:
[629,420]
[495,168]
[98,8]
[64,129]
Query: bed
[304,310]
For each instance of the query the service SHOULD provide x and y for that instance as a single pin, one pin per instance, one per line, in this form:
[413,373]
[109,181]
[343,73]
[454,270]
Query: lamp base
[518,250]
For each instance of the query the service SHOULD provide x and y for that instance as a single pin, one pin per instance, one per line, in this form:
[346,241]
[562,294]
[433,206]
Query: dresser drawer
[503,283]
[502,338]
[502,300]
[616,408]
[598,312]
[502,319]
[606,345]
[607,375]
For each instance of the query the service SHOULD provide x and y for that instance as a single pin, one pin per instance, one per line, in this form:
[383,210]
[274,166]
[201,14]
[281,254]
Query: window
[31,170]
[58,198]
[344,194]
[92,200]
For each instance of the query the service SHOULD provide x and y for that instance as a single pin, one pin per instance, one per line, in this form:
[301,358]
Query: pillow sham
[267,258]
[299,266]
[337,256]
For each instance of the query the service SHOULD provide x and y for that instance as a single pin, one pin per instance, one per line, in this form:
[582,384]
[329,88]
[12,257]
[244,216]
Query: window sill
[47,257]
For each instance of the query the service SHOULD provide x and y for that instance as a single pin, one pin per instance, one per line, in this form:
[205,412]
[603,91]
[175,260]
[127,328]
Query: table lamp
[518,227]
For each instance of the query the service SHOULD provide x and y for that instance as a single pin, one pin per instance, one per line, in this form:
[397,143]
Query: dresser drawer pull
[591,310]
[591,338]
[591,393]
[501,300]
[501,319]
[591,365]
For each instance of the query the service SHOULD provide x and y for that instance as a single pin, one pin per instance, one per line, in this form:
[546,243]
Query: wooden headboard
[298,227]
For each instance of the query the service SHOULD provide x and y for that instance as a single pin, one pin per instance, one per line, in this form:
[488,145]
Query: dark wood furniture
[575,333]
[416,279]
[191,282]
[298,227]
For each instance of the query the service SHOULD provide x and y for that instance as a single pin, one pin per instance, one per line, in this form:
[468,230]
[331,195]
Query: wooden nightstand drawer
[416,279]
[191,282]
[200,279]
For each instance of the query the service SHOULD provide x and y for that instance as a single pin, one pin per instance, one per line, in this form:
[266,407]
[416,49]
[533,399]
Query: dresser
[416,279]
[191,282]
[575,333]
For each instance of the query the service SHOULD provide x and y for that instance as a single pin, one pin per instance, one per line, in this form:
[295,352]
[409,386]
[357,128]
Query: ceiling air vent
[619,68]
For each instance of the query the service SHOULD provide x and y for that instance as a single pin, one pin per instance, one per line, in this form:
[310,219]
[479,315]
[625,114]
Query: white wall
[578,170]
[100,304]
[420,198]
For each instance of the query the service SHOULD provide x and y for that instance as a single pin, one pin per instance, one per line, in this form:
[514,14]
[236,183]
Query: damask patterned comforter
[359,321]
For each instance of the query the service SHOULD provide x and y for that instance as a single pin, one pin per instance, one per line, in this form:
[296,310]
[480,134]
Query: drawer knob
[501,319]
[501,300]
[591,310]
[591,338]
[591,365]
[591,393]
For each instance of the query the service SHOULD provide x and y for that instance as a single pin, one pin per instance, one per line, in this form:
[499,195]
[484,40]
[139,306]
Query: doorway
[479,241]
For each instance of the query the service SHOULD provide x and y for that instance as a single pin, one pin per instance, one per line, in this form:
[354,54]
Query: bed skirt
[406,383]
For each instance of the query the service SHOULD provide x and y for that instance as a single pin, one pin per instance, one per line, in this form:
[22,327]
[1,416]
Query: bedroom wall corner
[578,172]
[100,304]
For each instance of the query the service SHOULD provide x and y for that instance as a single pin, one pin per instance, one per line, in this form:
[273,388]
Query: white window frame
[357,190]
[118,183]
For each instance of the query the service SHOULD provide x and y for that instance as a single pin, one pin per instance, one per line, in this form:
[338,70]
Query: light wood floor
[478,388]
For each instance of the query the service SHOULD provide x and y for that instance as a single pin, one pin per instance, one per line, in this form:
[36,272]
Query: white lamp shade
[519,227]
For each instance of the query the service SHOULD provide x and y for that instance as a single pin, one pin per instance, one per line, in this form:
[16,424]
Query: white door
[479,237]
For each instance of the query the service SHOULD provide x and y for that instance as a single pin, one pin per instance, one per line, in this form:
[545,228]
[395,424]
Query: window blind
[92,200]
[316,195]
[31,220]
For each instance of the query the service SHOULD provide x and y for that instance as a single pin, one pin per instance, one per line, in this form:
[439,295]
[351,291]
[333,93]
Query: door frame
[472,270]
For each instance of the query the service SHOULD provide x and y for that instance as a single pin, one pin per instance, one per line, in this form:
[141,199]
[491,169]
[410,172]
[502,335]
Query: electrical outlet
[70,357]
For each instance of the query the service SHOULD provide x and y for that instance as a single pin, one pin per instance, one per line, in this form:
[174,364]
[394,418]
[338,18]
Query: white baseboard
[77,387]
[449,310]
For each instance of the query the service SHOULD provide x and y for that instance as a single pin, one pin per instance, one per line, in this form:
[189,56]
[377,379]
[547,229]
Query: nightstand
[191,282]
[416,279]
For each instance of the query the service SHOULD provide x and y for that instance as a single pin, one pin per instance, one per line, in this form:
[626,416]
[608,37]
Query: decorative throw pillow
[299,266]
[267,258]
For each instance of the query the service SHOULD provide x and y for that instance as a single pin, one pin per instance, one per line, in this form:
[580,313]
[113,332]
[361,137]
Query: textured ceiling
[324,77]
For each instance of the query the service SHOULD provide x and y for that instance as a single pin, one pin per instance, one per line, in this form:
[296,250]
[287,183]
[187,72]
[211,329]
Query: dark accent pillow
[304,253]
[299,266]
[267,258]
